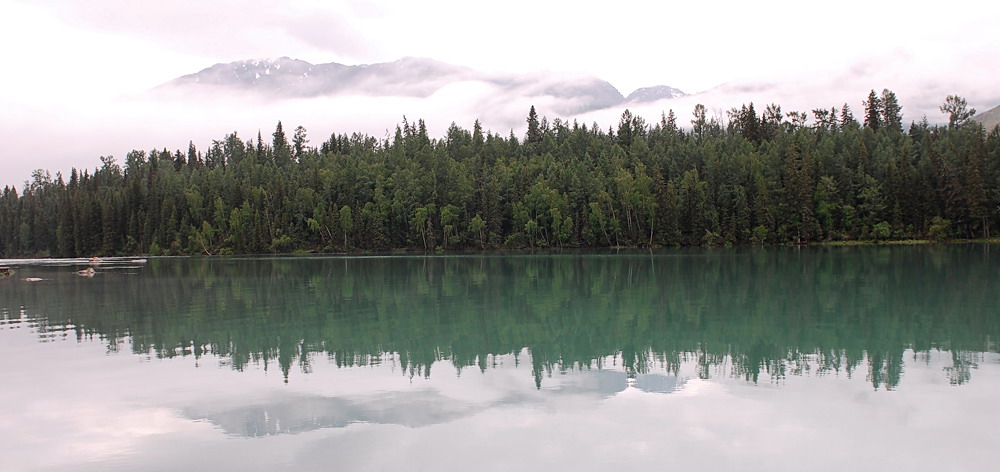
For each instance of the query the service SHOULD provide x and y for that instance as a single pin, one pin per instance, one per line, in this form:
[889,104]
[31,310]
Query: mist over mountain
[286,78]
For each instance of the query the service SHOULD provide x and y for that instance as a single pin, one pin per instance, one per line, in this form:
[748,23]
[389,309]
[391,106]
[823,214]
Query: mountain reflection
[741,313]
[291,414]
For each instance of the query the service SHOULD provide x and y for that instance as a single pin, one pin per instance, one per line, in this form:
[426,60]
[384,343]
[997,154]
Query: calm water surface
[781,359]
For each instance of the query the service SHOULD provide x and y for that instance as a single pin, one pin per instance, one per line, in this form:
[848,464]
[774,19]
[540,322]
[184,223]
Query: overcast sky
[74,71]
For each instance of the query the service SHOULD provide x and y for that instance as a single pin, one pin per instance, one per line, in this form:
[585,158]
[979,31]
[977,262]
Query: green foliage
[881,231]
[476,226]
[873,111]
[516,240]
[940,229]
[281,244]
[346,223]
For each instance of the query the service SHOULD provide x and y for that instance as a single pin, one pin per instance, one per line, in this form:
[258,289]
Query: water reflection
[752,314]
[609,383]
[300,413]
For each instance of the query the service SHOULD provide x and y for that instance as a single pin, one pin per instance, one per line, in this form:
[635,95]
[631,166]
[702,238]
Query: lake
[818,358]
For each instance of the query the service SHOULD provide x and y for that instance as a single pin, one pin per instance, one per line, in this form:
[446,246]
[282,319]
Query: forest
[746,178]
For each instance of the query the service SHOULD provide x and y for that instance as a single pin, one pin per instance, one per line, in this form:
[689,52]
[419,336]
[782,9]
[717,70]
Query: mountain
[652,94]
[990,119]
[408,77]
[292,78]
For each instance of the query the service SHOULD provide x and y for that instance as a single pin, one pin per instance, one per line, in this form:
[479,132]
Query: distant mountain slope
[408,77]
[990,119]
[287,78]
[652,94]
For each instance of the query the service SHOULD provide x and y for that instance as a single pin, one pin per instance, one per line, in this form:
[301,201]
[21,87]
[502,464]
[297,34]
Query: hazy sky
[73,71]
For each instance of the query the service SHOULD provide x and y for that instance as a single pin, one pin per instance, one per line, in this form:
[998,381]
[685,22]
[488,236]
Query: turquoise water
[745,359]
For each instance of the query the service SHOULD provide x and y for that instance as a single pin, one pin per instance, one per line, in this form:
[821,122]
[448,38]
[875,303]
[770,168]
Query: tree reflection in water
[741,312]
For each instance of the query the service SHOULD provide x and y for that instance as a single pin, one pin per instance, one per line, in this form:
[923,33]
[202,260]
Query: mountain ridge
[287,77]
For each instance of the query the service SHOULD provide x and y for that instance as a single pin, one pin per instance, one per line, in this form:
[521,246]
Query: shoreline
[524,251]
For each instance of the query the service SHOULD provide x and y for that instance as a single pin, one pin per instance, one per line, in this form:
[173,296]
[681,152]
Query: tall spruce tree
[282,153]
[873,111]
[892,112]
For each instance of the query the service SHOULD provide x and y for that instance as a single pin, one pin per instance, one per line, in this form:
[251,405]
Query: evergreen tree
[892,117]
[847,118]
[299,141]
[534,135]
[873,111]
[699,123]
[279,147]
[956,109]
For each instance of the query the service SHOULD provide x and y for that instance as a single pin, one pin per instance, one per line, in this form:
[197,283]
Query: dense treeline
[747,178]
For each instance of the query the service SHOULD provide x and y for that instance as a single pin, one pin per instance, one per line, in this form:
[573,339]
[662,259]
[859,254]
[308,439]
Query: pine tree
[975,187]
[873,111]
[770,122]
[956,109]
[299,141]
[625,130]
[280,148]
[700,122]
[534,135]
[847,118]
[892,117]
[750,124]
[671,121]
